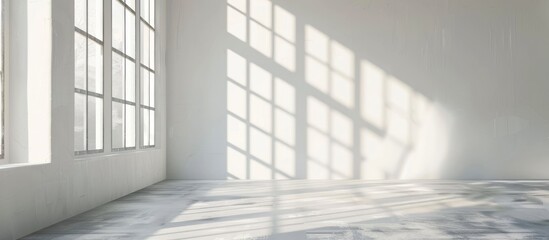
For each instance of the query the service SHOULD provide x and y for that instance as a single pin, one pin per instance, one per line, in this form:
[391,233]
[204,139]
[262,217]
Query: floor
[317,210]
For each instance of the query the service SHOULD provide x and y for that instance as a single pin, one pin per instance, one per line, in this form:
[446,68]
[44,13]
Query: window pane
[117,76]
[117,125]
[80,14]
[151,128]
[79,122]
[130,126]
[145,122]
[145,45]
[131,3]
[152,47]
[145,9]
[117,25]
[95,18]
[152,13]
[145,87]
[80,61]
[95,67]
[151,90]
[95,123]
[130,34]
[130,80]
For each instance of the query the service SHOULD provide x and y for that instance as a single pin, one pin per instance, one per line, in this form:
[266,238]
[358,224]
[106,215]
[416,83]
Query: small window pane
[152,20]
[80,14]
[131,3]
[95,18]
[145,87]
[95,123]
[80,61]
[117,125]
[117,25]
[151,90]
[145,121]
[151,128]
[117,76]
[130,80]
[152,47]
[130,34]
[95,67]
[145,9]
[145,45]
[79,122]
[130,125]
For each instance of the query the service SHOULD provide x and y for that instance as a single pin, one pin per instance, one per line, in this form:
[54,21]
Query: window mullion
[107,75]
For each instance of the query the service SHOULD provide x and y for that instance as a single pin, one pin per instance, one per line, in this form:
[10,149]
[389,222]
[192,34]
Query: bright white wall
[358,89]
[34,196]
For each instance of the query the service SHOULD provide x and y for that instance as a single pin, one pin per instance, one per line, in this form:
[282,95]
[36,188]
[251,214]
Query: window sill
[19,165]
[91,156]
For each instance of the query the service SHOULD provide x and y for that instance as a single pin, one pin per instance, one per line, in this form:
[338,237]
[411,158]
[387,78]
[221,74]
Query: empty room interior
[274,119]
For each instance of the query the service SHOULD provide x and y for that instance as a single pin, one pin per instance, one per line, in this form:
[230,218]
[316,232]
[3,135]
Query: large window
[148,110]
[88,88]
[123,75]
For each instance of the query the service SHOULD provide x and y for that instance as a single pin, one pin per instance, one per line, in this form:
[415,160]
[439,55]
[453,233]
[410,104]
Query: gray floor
[318,210]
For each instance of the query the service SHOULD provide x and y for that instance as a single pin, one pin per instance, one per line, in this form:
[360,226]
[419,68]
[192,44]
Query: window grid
[147,74]
[127,142]
[87,93]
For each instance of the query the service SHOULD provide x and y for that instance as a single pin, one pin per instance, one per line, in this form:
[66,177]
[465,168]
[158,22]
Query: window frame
[149,70]
[125,57]
[86,92]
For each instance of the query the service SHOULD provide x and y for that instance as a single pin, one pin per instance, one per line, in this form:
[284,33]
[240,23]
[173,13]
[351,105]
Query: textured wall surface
[34,196]
[358,89]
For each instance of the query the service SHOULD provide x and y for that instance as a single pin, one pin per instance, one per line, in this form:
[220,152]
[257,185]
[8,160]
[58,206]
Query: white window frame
[90,37]
[134,59]
[151,69]
[108,99]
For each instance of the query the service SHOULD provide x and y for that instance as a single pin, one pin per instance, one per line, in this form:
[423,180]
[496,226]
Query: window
[123,75]
[88,88]
[147,108]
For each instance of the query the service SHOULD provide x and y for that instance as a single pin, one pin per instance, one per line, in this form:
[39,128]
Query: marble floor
[302,209]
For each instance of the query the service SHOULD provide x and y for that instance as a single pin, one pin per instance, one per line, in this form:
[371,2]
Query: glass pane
[79,61]
[145,9]
[151,90]
[117,76]
[152,20]
[130,34]
[95,123]
[151,129]
[79,122]
[145,45]
[95,18]
[95,67]
[131,3]
[145,122]
[130,126]
[117,125]
[130,80]
[80,14]
[117,25]
[145,87]
[152,50]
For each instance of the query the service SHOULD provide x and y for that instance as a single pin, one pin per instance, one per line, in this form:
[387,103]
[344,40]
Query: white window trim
[108,149]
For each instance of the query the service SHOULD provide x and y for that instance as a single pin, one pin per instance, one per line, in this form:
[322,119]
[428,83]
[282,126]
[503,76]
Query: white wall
[34,196]
[358,89]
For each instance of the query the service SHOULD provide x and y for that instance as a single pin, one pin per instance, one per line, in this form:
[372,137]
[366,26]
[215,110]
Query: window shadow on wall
[301,104]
